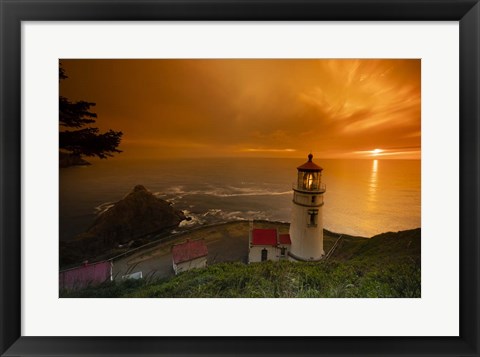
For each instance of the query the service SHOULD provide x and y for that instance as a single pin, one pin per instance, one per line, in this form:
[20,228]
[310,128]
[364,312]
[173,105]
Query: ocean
[363,197]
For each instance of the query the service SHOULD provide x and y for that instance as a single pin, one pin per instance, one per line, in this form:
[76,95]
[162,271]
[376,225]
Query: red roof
[189,250]
[264,237]
[284,239]
[309,165]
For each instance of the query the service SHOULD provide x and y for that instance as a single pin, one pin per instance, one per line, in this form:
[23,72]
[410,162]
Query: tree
[85,140]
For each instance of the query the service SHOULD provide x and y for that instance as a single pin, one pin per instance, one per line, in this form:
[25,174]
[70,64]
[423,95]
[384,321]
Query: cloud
[224,107]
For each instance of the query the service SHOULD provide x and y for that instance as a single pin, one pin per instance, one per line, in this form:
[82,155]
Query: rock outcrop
[139,213]
[128,222]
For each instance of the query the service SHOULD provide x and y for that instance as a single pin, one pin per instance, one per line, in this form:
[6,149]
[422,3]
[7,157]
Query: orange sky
[254,108]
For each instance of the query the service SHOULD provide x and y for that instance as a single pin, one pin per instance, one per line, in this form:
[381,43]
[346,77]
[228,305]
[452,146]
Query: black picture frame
[467,12]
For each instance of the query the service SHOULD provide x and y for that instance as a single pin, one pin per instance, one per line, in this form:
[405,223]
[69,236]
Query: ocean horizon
[363,197]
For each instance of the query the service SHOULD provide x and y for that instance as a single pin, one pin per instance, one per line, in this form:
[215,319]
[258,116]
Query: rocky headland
[134,220]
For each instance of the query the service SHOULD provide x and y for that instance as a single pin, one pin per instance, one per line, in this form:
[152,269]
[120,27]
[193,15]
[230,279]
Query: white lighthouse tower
[306,227]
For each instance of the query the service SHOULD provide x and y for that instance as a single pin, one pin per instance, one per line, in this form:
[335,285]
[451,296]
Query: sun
[376,152]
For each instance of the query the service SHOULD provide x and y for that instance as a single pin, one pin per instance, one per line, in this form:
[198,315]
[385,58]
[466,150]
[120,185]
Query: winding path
[226,242]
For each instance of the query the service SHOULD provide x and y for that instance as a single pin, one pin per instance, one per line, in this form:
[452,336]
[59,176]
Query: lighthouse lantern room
[306,226]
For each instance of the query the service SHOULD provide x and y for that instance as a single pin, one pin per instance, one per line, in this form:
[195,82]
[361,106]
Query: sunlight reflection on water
[372,186]
[364,197]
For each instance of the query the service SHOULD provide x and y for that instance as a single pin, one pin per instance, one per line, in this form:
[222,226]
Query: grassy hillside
[387,265]
[386,246]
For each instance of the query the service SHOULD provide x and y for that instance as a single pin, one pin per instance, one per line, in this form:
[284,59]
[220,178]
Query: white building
[267,244]
[306,226]
[189,255]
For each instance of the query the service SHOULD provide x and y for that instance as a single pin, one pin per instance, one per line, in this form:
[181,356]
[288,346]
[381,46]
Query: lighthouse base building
[268,244]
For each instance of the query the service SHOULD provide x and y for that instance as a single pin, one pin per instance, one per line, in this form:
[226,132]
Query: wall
[192,264]
[307,241]
[255,253]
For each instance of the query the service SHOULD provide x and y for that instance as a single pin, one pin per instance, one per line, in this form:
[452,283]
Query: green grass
[385,266]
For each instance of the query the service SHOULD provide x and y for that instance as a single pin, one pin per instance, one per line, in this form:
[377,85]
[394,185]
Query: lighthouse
[306,226]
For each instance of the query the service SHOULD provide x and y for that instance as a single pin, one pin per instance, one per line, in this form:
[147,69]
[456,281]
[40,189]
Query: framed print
[239,178]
